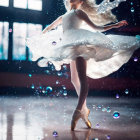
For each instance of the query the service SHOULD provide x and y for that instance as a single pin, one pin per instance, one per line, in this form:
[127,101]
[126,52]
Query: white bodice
[70,20]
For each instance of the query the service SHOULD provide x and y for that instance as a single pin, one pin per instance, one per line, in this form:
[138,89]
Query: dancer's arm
[85,17]
[53,25]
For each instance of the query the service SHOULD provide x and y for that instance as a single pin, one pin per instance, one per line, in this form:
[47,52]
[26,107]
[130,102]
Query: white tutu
[104,53]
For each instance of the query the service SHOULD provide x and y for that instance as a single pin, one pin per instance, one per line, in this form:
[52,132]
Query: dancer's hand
[121,23]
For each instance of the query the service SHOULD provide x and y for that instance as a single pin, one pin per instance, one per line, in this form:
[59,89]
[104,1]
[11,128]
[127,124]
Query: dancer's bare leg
[81,71]
[75,80]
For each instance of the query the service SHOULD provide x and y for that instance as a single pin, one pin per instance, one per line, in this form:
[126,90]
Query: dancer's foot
[80,114]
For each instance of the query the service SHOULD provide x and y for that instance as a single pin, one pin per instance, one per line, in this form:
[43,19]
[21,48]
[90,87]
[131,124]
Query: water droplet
[116,115]
[55,134]
[132,9]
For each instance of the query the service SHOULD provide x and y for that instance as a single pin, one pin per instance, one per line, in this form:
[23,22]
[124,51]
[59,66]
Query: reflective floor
[45,118]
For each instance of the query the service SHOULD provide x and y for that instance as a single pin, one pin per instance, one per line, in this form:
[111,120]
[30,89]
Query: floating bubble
[108,137]
[20,107]
[135,59]
[117,96]
[49,89]
[126,91]
[10,30]
[43,91]
[116,115]
[97,125]
[48,72]
[57,82]
[59,73]
[108,109]
[30,75]
[99,106]
[104,109]
[138,37]
[65,67]
[132,9]
[55,134]
[65,93]
[63,87]
[32,86]
[53,43]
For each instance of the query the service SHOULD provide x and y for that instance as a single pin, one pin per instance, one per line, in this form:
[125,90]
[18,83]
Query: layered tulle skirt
[104,53]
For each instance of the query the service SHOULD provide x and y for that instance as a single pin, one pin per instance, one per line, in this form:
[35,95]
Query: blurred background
[19,76]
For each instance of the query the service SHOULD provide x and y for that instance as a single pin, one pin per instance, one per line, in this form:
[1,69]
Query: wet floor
[45,118]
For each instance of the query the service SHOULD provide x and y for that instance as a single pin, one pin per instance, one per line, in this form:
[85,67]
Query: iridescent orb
[57,82]
[97,125]
[10,30]
[132,9]
[108,109]
[116,115]
[65,93]
[59,73]
[126,91]
[117,96]
[53,43]
[138,37]
[55,134]
[104,109]
[135,59]
[30,75]
[108,137]
[32,86]
[49,89]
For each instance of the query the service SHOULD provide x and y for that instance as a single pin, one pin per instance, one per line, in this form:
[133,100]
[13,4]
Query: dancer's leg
[75,80]
[81,65]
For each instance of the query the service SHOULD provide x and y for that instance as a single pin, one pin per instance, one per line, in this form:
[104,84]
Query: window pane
[35,4]
[4,3]
[19,34]
[4,40]
[33,29]
[20,3]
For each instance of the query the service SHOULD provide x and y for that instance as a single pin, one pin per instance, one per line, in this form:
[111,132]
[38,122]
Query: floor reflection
[36,118]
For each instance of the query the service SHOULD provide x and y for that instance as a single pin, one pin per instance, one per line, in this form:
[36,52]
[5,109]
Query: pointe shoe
[80,114]
[85,118]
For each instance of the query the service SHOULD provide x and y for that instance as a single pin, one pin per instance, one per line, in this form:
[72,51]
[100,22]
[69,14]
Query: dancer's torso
[70,20]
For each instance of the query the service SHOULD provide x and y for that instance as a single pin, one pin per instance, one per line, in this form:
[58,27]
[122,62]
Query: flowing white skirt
[104,53]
